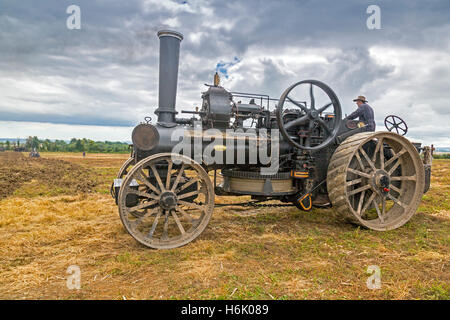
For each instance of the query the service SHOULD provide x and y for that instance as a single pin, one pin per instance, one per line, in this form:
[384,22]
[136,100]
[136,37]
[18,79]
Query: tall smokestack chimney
[169,53]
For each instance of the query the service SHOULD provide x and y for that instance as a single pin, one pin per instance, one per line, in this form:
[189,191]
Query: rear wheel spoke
[391,171]
[404,178]
[361,164]
[377,208]
[377,148]
[358,190]
[360,203]
[367,203]
[359,173]
[353,182]
[369,161]
[395,157]
[395,188]
[401,204]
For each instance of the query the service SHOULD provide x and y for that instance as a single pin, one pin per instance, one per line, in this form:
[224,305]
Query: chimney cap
[170,33]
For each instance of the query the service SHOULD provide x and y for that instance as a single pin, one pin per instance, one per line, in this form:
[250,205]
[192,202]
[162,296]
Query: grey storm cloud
[107,72]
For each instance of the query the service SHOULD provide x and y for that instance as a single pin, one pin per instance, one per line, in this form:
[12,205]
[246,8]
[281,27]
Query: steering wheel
[310,117]
[393,122]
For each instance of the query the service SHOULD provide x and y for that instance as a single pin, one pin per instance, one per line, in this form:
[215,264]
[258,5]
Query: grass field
[56,211]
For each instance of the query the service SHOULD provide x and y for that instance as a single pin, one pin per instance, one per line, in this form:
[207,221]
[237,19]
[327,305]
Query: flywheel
[376,180]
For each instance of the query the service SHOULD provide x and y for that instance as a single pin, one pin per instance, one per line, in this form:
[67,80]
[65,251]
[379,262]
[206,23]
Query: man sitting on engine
[364,113]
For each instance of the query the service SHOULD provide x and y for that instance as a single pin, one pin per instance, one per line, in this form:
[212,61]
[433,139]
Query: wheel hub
[313,114]
[381,181]
[168,200]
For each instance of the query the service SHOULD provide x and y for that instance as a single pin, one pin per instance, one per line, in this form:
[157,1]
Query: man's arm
[355,114]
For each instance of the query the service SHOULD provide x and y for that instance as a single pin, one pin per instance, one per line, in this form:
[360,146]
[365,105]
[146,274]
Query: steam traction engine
[166,197]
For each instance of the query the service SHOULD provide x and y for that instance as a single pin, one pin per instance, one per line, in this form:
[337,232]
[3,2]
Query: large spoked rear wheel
[376,180]
[166,201]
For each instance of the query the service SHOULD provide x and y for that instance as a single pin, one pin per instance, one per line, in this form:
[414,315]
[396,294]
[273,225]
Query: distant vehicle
[34,154]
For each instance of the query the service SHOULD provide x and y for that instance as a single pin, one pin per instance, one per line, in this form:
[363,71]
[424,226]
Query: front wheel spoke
[358,190]
[189,194]
[401,204]
[186,185]
[185,215]
[165,234]
[169,175]
[359,173]
[177,180]
[137,222]
[158,178]
[144,194]
[404,178]
[155,223]
[395,157]
[192,205]
[142,206]
[177,221]
[369,161]
[141,176]
[352,182]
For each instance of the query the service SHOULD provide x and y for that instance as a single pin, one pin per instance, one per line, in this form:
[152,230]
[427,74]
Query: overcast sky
[100,81]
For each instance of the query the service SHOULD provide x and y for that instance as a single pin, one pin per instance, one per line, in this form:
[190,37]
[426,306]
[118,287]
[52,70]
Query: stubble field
[56,211]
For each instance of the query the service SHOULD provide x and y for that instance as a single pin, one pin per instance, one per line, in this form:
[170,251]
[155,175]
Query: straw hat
[361,98]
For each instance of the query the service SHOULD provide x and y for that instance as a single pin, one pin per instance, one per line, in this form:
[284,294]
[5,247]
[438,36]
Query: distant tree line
[441,156]
[75,145]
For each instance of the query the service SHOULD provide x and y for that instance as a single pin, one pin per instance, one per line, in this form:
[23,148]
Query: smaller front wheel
[166,201]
